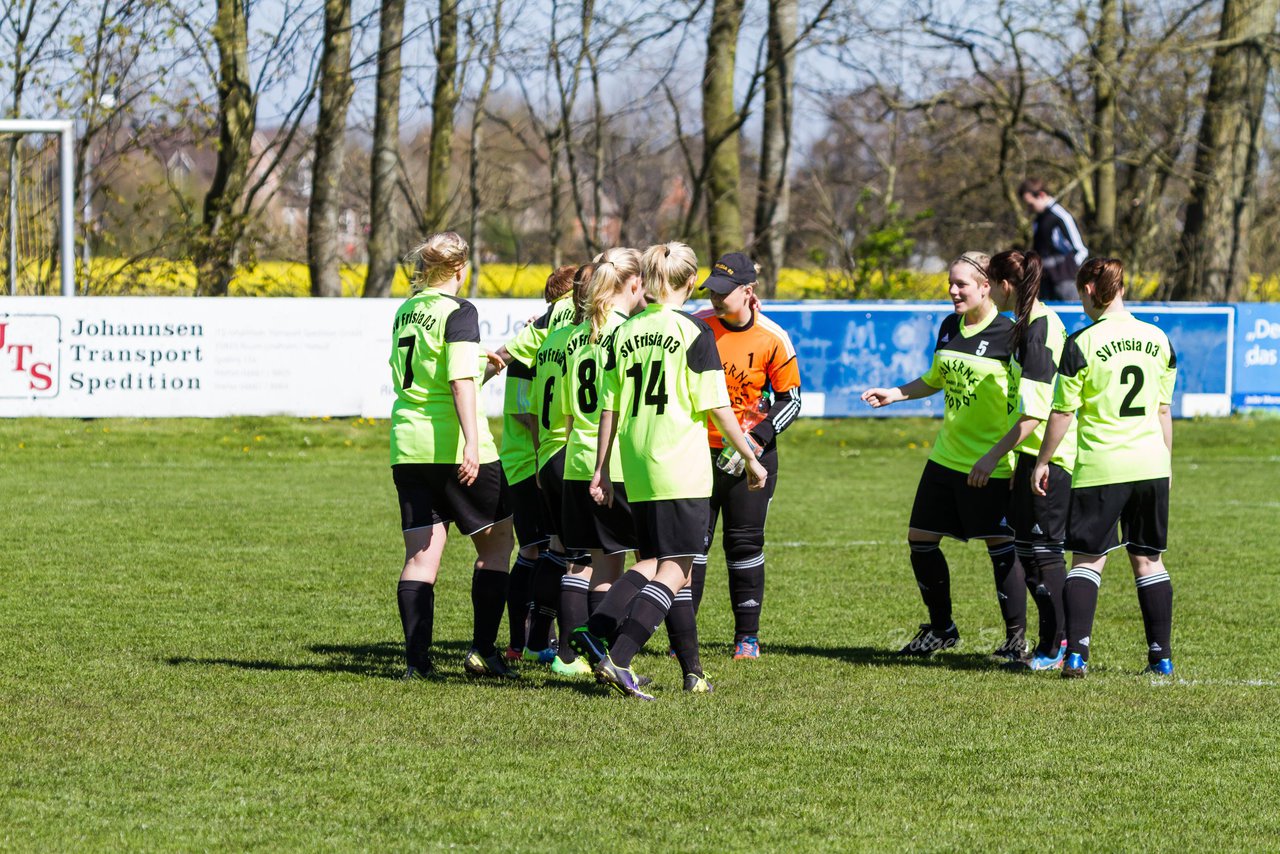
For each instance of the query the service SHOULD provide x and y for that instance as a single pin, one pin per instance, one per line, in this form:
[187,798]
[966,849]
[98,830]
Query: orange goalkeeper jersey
[759,361]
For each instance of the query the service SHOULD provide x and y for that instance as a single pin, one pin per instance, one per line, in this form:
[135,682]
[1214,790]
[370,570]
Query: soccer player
[615,292]
[1039,522]
[662,380]
[443,459]
[970,366]
[1117,379]
[763,378]
[519,463]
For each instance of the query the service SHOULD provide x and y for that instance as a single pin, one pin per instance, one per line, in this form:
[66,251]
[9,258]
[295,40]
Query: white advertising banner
[182,356]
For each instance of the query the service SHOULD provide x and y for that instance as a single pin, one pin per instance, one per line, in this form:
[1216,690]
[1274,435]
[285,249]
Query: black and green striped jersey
[1033,371]
[517,454]
[435,340]
[548,385]
[1115,375]
[971,366]
[581,399]
[663,376]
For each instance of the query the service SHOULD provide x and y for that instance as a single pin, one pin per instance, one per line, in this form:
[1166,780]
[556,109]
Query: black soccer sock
[698,581]
[546,599]
[746,594]
[1155,598]
[1046,577]
[519,588]
[488,601]
[417,601]
[1011,589]
[573,611]
[594,597]
[604,620]
[647,611]
[934,580]
[1081,602]
[682,630]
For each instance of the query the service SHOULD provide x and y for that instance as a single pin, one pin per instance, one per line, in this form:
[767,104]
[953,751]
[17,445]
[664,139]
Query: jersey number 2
[655,394]
[407,341]
[1131,374]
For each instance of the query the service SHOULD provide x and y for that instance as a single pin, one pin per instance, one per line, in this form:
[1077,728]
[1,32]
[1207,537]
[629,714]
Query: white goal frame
[65,129]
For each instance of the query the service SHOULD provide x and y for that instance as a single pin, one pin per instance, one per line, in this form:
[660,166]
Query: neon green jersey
[435,340]
[663,376]
[971,366]
[1032,373]
[524,346]
[581,400]
[548,384]
[1115,375]
[519,460]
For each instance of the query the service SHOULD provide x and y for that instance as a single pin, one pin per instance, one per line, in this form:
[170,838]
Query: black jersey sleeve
[703,354]
[785,409]
[463,324]
[1034,354]
[1073,361]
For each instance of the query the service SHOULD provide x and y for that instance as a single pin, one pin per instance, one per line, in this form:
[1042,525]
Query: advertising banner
[1257,377]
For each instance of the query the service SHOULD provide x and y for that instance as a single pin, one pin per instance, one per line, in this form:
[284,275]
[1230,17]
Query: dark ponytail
[1022,270]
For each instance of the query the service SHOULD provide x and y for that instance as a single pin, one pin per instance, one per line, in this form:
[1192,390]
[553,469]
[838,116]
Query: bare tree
[474,147]
[443,104]
[330,151]
[1212,259]
[1105,45]
[773,191]
[720,128]
[384,250]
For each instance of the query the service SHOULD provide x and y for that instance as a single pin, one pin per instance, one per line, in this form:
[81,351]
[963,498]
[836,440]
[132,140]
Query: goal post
[64,131]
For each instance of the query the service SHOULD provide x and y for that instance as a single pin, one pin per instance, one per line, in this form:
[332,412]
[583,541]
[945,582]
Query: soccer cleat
[1040,661]
[494,665]
[748,647]
[695,684]
[621,679]
[1163,667]
[587,645]
[1011,653]
[539,656]
[419,674]
[1075,667]
[577,667]
[927,641]
[512,654]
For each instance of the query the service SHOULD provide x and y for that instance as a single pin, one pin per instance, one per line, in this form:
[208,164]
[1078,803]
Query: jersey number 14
[655,393]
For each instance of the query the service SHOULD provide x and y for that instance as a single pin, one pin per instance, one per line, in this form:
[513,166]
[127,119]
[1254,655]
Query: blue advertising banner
[1257,365]
[846,347]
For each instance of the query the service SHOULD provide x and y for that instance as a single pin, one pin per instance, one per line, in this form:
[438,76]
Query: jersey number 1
[655,394]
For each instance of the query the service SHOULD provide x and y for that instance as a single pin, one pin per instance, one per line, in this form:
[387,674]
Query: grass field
[200,642]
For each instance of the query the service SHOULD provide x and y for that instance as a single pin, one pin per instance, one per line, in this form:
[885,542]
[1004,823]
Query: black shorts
[530,515]
[744,509]
[551,487]
[430,493]
[587,525]
[1039,518]
[1141,508]
[946,504]
[671,527]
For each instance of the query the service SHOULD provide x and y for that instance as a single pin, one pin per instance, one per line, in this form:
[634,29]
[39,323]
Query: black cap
[729,272]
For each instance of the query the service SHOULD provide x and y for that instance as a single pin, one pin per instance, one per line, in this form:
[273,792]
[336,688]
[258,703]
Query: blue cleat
[1074,667]
[1040,661]
[746,649]
[1163,667]
[539,656]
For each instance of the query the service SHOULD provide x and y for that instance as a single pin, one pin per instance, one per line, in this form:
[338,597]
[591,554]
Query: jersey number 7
[655,394]
[407,341]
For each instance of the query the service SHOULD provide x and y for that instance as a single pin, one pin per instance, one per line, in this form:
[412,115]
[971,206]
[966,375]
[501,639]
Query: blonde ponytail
[438,259]
[667,268]
[613,269]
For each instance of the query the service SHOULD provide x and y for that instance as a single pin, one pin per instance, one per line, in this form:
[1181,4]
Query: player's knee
[744,550]
[924,546]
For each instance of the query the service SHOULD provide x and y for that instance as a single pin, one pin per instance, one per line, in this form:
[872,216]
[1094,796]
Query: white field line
[824,544]
[1249,683]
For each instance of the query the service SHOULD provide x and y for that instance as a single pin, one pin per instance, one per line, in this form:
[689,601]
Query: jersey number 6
[655,394]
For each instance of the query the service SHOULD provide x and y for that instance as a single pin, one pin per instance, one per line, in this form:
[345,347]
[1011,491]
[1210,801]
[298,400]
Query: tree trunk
[384,250]
[443,103]
[477,130]
[1105,58]
[217,250]
[773,192]
[720,130]
[1212,259]
[323,251]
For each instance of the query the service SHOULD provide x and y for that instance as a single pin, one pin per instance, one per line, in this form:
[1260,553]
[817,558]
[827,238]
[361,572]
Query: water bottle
[730,461]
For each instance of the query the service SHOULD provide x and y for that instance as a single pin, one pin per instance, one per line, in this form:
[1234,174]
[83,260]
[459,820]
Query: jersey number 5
[1131,374]
[407,341]
[655,394]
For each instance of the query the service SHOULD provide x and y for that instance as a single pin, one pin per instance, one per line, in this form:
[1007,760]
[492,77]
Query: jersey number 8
[655,394]
[588,397]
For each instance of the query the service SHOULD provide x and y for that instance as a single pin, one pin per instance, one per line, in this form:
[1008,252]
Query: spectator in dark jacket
[1055,238]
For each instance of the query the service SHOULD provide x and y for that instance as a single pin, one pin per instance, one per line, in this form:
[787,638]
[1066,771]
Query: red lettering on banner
[44,376]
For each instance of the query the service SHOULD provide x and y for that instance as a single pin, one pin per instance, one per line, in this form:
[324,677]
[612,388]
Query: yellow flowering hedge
[160,277]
